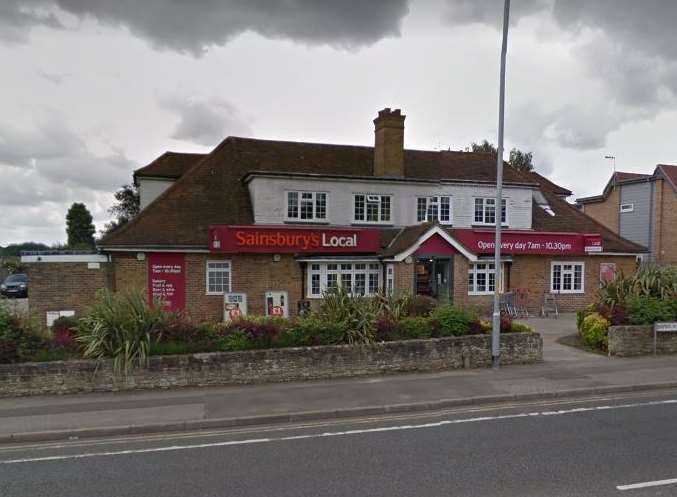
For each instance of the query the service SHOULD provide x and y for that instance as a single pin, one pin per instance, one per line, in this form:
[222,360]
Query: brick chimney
[389,143]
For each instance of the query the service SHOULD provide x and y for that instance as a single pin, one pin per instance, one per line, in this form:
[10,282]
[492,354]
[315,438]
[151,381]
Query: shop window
[218,277]
[481,279]
[567,277]
[306,206]
[371,208]
[432,209]
[359,278]
[485,211]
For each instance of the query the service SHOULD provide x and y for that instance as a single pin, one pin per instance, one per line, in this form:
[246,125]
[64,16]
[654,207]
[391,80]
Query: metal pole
[496,329]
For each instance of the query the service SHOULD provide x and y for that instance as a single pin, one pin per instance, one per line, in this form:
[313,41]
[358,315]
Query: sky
[93,89]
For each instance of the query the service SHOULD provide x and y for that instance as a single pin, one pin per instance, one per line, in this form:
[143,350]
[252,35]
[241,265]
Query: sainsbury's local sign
[275,239]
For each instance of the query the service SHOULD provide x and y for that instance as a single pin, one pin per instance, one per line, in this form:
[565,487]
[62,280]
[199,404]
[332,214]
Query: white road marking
[646,484]
[252,441]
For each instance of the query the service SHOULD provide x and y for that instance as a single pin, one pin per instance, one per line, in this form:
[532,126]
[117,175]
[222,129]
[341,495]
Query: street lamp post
[496,328]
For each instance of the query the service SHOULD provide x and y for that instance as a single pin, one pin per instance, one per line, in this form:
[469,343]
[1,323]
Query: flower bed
[647,297]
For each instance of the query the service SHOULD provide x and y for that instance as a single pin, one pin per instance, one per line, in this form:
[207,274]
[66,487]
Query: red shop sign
[276,239]
[167,280]
[536,243]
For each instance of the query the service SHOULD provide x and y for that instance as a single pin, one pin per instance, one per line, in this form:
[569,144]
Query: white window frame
[314,218]
[209,270]
[431,200]
[629,207]
[323,270]
[484,211]
[474,270]
[572,272]
[390,279]
[380,220]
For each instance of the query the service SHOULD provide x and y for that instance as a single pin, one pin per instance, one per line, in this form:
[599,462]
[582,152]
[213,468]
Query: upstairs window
[485,211]
[432,209]
[371,208]
[306,206]
[627,207]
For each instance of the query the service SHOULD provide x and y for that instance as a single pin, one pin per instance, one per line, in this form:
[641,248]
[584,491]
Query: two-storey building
[641,208]
[282,222]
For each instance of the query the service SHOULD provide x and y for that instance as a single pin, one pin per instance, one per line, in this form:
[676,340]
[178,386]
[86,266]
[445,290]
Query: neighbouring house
[273,224]
[641,208]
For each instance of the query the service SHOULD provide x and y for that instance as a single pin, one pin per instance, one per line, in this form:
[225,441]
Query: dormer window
[306,206]
[371,208]
[485,211]
[433,209]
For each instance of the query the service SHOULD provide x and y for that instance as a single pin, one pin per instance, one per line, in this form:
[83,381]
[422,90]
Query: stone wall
[625,341]
[64,286]
[273,365]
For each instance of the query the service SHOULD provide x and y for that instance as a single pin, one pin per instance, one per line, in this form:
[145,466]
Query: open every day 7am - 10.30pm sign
[269,239]
[536,243]
[167,280]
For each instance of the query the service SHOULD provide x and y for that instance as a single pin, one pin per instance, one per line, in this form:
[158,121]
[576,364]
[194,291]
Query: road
[587,447]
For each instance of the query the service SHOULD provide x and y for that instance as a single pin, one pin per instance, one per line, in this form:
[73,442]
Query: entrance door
[434,278]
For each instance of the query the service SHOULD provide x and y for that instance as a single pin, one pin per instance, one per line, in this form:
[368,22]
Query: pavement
[565,372]
[605,447]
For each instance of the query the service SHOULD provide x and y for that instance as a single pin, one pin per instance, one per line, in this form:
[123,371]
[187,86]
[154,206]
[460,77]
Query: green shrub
[391,306]
[357,313]
[520,328]
[19,340]
[648,310]
[582,314]
[313,331]
[235,340]
[421,305]
[453,321]
[595,331]
[414,328]
[121,326]
[652,281]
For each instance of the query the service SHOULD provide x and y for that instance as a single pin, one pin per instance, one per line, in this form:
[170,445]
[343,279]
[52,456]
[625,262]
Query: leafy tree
[126,207]
[79,227]
[521,161]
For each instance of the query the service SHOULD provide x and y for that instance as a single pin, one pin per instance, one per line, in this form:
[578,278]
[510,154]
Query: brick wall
[61,286]
[404,278]
[666,223]
[606,212]
[625,341]
[253,274]
[272,365]
[533,273]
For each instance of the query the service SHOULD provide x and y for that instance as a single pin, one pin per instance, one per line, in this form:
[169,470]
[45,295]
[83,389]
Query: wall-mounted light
[140,256]
[277,257]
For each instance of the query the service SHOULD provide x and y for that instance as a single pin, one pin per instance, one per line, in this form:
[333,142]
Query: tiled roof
[170,165]
[670,172]
[213,192]
[568,218]
[545,183]
[623,176]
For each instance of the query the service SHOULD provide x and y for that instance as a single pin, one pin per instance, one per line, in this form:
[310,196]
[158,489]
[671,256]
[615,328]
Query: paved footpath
[564,369]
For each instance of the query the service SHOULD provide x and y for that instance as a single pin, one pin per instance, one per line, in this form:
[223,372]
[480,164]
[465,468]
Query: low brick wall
[273,365]
[625,341]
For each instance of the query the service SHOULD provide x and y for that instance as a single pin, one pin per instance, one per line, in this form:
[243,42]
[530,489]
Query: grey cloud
[194,26]
[626,46]
[206,121]
[17,17]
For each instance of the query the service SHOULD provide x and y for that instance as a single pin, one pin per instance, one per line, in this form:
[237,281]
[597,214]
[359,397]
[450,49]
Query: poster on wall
[167,280]
[607,272]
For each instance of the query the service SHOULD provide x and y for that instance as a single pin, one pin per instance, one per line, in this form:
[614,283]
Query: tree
[15,249]
[126,207]
[79,227]
[521,161]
